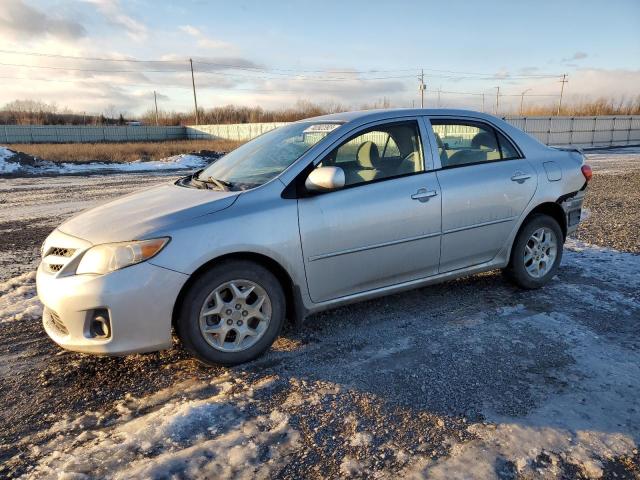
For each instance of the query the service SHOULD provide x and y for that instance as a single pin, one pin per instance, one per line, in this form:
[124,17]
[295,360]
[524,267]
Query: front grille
[55,267]
[53,321]
[61,252]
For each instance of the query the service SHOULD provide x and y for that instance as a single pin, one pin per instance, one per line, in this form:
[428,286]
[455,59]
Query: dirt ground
[614,201]
[473,378]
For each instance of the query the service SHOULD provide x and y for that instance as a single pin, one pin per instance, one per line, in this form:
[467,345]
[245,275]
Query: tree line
[33,112]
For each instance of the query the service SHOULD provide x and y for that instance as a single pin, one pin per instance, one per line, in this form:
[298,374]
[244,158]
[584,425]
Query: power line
[185,70]
[163,85]
[256,90]
[483,93]
[216,64]
[86,79]
[49,67]
[273,70]
[98,59]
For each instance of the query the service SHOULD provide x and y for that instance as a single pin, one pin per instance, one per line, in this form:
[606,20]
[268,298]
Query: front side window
[380,152]
[463,143]
[265,157]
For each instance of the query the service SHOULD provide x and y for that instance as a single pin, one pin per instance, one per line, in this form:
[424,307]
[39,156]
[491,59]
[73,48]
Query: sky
[110,55]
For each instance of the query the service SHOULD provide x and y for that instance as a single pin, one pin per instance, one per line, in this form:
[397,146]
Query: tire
[521,270]
[212,339]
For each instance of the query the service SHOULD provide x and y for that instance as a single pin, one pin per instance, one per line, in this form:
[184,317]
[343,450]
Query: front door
[486,186]
[383,227]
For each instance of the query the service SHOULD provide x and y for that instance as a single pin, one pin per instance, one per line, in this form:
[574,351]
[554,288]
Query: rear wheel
[536,252]
[232,313]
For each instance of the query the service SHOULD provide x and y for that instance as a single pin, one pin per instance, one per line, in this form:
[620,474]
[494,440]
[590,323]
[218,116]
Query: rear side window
[465,143]
[507,148]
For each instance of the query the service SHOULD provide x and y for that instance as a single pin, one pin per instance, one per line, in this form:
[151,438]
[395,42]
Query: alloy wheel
[235,315]
[540,252]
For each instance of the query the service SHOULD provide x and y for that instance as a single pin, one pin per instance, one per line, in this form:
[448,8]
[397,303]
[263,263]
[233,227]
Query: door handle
[520,177]
[423,195]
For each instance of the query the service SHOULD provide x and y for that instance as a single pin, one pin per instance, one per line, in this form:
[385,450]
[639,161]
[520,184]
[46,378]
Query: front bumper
[139,300]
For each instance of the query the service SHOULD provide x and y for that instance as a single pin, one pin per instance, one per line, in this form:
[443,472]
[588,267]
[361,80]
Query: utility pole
[522,99]
[155,100]
[483,103]
[562,82]
[497,99]
[422,87]
[193,84]
[439,91]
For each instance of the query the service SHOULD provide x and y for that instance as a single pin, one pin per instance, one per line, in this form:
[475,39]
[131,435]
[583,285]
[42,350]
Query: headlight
[108,257]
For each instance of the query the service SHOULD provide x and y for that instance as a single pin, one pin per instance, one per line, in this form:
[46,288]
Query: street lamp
[522,99]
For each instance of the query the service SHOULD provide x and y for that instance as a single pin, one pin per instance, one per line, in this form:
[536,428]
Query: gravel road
[472,378]
[614,200]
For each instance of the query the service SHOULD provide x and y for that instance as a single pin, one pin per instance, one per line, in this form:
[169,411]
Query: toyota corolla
[309,216]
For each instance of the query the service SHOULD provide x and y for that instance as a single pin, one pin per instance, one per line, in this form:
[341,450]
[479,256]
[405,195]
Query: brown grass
[120,152]
[600,106]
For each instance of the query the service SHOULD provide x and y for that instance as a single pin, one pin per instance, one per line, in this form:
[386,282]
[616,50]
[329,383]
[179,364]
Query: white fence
[238,131]
[584,132]
[80,133]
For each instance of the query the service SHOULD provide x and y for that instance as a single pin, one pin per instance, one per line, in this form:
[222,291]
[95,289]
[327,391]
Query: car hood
[141,214]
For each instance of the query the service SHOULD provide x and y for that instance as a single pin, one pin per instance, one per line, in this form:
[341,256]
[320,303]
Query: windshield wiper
[221,184]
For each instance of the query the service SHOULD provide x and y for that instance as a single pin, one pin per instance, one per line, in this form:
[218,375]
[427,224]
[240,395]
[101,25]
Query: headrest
[484,139]
[368,156]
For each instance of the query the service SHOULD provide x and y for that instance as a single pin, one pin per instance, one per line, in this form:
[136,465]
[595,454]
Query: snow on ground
[5,165]
[193,429]
[176,162]
[606,264]
[18,299]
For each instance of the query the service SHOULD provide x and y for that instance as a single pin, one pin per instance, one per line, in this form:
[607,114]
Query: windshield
[265,157]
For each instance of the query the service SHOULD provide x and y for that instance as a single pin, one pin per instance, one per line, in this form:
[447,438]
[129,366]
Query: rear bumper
[573,211]
[139,301]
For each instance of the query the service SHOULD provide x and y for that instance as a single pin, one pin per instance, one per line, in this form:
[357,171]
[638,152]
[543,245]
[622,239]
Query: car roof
[381,114]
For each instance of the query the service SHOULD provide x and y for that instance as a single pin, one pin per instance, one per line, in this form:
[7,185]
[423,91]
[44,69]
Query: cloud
[576,56]
[19,21]
[202,40]
[113,13]
[190,29]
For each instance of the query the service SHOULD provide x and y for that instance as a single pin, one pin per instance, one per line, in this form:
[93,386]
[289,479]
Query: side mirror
[325,179]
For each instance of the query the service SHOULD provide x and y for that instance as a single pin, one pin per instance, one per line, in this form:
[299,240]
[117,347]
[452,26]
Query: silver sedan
[312,215]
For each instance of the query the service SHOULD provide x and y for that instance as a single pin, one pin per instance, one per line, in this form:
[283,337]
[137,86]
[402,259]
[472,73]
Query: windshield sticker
[321,128]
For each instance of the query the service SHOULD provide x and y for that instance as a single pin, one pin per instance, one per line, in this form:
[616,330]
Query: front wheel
[232,313]
[536,252]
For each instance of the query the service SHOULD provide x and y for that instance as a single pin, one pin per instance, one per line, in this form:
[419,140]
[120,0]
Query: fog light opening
[99,326]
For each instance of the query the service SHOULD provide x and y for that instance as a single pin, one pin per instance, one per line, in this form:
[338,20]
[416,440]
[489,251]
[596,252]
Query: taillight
[587,172]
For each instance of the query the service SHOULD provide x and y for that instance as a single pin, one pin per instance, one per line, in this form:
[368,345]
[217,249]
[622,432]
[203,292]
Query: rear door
[383,227]
[486,185]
